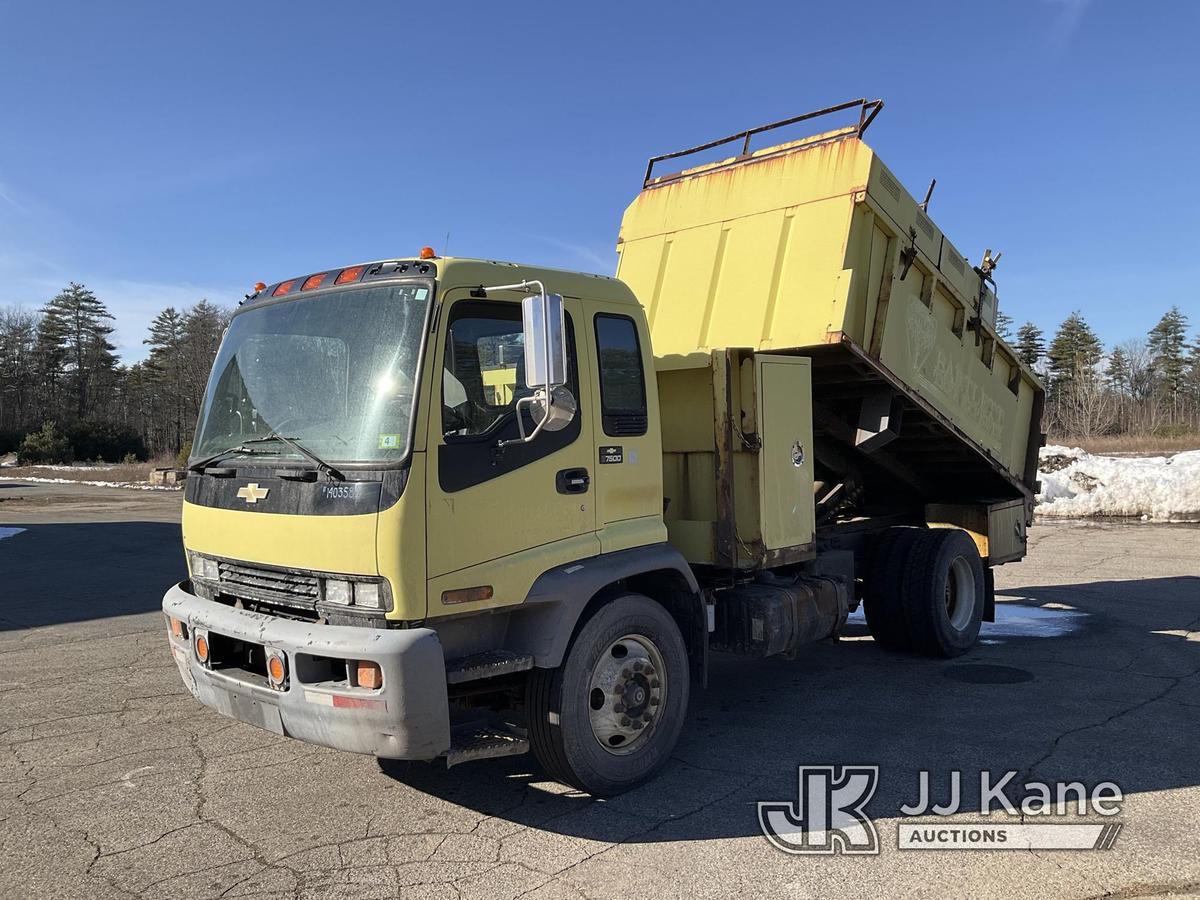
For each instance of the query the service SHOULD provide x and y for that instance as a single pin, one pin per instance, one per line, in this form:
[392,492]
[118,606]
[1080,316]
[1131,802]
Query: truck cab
[370,538]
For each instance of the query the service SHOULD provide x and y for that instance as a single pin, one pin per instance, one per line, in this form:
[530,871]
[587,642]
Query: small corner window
[622,378]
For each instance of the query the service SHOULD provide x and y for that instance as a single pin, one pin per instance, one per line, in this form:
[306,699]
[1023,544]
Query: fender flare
[544,624]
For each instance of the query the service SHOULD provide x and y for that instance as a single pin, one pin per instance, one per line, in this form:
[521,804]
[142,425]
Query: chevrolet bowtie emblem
[252,493]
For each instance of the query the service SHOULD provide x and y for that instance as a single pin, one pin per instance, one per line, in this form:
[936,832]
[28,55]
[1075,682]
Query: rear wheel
[883,601]
[945,590]
[611,714]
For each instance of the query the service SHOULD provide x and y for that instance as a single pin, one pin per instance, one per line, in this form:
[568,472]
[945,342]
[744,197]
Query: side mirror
[552,404]
[545,341]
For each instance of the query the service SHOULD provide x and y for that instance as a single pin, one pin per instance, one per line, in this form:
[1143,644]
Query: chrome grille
[272,585]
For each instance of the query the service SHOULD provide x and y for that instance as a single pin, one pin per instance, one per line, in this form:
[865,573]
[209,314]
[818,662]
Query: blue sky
[163,152]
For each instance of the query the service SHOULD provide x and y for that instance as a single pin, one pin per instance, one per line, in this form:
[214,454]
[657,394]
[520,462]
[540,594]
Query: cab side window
[484,369]
[622,378]
[483,377]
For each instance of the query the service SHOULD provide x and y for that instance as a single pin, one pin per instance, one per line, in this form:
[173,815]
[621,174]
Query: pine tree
[74,336]
[1117,371]
[1004,324]
[166,368]
[1031,345]
[1073,354]
[1168,347]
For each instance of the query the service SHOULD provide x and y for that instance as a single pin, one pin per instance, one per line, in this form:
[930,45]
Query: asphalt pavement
[114,782]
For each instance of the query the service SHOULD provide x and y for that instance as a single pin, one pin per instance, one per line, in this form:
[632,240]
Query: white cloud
[6,196]
[29,282]
[597,262]
[1067,16]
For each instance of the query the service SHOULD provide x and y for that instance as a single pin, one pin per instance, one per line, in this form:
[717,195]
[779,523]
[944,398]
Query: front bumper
[407,718]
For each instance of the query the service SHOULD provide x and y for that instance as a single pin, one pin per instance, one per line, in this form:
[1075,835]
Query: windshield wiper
[322,466]
[209,460]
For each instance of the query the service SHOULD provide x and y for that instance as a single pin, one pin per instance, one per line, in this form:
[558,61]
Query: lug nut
[645,717]
[625,722]
[619,707]
[637,666]
[653,683]
[654,701]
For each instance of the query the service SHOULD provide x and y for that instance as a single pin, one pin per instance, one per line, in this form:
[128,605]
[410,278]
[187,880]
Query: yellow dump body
[814,248]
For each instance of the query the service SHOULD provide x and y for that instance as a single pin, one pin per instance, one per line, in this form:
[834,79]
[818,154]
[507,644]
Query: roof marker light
[259,286]
[283,287]
[312,281]
[348,275]
[427,253]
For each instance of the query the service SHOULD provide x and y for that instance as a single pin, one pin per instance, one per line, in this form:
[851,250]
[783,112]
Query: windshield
[336,371]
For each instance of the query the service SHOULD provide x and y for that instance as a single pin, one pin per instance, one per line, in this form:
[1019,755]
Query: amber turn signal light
[177,628]
[467,595]
[202,646]
[276,668]
[369,675]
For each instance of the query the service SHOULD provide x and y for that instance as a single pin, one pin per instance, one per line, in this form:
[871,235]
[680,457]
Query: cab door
[625,419]
[500,516]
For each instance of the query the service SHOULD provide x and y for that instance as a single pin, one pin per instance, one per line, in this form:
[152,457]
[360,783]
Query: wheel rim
[626,694]
[960,594]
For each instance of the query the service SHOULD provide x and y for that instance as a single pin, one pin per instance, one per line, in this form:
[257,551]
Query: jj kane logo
[829,815]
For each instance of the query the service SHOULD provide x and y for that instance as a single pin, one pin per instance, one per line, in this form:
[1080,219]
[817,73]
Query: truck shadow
[1085,682]
[73,572]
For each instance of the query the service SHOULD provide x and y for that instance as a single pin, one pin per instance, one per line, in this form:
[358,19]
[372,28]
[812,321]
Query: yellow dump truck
[445,508]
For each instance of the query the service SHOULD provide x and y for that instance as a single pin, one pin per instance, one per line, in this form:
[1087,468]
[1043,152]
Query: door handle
[572,481]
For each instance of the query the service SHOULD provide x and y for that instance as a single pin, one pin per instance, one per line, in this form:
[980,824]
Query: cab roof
[450,272]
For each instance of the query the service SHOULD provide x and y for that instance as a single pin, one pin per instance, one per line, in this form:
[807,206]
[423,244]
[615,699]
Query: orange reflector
[427,253]
[201,648]
[275,669]
[351,274]
[370,676]
[283,287]
[312,281]
[468,595]
[176,628]
[259,286]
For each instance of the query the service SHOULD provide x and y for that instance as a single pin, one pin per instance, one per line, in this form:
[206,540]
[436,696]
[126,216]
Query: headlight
[204,567]
[364,595]
[338,592]
[368,595]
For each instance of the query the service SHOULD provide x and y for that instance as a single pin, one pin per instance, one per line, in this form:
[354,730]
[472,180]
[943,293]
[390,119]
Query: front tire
[610,716]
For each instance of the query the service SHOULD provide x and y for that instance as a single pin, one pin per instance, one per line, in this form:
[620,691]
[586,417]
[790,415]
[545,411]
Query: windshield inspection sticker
[389,442]
[611,454]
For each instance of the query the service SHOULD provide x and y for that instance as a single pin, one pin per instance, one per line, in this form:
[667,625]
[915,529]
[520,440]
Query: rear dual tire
[926,591]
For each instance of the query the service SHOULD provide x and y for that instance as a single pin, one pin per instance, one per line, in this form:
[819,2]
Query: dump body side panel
[814,244]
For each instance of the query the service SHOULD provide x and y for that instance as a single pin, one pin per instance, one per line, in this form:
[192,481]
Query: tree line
[1142,386]
[64,394]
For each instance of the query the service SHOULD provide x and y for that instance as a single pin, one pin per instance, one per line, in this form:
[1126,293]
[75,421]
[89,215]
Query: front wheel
[611,714]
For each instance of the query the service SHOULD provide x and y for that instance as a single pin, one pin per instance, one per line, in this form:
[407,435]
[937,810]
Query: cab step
[486,665]
[483,742]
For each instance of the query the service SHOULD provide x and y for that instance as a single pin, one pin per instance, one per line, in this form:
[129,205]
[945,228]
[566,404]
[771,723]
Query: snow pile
[74,467]
[135,485]
[1075,483]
